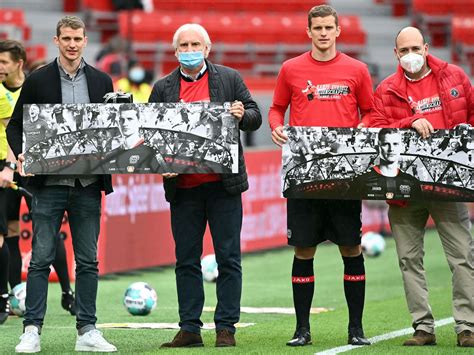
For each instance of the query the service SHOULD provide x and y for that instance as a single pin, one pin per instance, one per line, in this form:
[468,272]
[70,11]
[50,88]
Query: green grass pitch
[266,284]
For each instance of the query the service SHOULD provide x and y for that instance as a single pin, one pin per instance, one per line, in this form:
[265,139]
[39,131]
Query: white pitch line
[378,338]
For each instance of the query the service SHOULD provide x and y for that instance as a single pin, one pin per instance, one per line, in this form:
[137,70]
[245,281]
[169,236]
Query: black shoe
[68,303]
[302,337]
[4,308]
[357,337]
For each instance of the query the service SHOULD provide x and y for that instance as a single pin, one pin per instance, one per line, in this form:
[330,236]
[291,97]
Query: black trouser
[190,212]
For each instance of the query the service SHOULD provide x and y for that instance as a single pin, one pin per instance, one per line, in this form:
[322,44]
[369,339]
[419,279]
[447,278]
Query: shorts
[14,200]
[312,221]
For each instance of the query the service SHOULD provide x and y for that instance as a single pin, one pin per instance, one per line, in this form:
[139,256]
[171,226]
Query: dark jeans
[190,212]
[83,205]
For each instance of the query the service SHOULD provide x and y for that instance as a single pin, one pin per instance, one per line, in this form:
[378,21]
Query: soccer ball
[140,299]
[209,268]
[17,299]
[373,244]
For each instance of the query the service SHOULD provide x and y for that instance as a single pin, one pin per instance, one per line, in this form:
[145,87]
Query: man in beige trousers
[427,94]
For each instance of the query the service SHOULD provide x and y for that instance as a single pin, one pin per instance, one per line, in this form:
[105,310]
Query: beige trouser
[453,225]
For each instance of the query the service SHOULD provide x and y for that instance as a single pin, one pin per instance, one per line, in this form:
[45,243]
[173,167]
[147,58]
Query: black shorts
[312,221]
[14,200]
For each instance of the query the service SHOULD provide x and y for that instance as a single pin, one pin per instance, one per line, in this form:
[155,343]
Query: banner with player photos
[184,138]
[378,164]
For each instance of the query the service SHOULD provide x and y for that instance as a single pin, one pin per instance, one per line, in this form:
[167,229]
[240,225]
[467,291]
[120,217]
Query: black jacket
[225,85]
[43,86]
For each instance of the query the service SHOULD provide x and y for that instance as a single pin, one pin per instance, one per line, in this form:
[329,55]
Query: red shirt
[423,96]
[322,93]
[191,91]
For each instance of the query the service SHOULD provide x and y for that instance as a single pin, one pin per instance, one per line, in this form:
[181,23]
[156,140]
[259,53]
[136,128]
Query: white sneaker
[29,341]
[93,341]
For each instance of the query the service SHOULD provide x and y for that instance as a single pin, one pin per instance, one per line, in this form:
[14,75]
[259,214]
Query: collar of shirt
[187,77]
[65,74]
[424,76]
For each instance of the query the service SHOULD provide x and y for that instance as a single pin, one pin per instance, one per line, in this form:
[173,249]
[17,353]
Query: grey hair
[192,27]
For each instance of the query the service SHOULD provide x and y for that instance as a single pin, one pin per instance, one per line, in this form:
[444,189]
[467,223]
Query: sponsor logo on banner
[405,189]
[134,159]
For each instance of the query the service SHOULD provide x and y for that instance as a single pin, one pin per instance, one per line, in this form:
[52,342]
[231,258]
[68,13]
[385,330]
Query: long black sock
[60,265]
[4,262]
[303,289]
[354,289]
[14,275]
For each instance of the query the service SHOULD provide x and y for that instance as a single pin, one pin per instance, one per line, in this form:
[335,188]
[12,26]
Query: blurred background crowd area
[131,39]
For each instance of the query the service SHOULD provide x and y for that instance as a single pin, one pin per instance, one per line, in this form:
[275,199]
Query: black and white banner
[182,138]
[378,164]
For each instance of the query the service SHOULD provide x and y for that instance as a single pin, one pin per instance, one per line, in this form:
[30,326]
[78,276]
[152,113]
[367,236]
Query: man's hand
[278,137]
[423,127]
[237,109]
[6,177]
[21,171]
[169,175]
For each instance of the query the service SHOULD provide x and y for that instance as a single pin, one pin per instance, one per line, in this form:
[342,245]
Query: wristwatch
[11,165]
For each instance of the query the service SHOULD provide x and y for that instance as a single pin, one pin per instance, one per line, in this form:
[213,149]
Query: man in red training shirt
[427,94]
[323,88]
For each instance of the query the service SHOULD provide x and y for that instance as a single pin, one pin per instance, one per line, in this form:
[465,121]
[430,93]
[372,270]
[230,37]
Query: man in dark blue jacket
[200,198]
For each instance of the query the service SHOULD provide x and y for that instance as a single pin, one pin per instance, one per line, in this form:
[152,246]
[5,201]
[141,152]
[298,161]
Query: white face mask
[412,62]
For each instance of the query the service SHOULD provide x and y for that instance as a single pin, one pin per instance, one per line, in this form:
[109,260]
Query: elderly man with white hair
[196,199]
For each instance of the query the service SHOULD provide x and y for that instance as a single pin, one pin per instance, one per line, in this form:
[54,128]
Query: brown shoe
[466,339]
[420,338]
[225,337]
[184,339]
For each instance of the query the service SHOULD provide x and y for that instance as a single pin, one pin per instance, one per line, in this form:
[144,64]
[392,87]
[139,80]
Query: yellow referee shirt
[7,104]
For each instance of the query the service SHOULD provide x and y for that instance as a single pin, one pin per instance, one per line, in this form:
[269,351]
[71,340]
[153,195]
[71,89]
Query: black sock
[303,289]
[4,262]
[14,275]
[354,289]
[60,265]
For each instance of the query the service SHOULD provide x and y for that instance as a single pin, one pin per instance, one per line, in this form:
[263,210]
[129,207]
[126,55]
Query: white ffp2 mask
[412,62]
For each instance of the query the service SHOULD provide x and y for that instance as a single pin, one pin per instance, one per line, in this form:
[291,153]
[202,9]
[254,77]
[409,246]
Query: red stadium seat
[241,40]
[434,16]
[98,5]
[101,15]
[399,7]
[462,37]
[13,25]
[36,52]
[229,27]
[237,5]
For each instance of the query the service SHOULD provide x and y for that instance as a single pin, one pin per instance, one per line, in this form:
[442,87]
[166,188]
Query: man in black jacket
[214,198]
[67,79]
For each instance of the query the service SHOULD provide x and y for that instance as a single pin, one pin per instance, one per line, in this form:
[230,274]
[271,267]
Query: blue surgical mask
[136,74]
[191,60]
